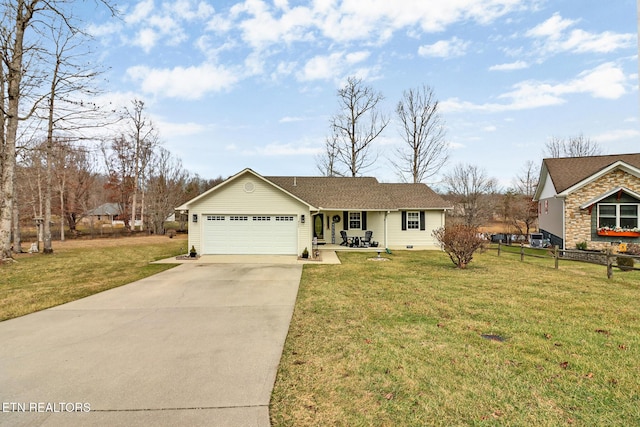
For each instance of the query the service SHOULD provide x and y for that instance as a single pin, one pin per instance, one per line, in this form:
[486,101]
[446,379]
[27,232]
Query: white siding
[549,190]
[249,195]
[551,216]
[419,239]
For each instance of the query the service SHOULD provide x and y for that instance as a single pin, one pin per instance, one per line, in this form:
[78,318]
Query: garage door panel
[250,234]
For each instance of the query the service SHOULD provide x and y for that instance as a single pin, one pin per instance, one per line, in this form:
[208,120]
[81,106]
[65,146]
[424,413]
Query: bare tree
[354,129]
[327,161]
[75,174]
[523,209]
[119,158]
[471,190]
[145,139]
[21,20]
[575,146]
[167,180]
[16,20]
[425,149]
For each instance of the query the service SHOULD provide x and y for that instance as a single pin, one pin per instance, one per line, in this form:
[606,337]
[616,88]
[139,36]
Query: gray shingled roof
[566,172]
[106,209]
[415,196]
[362,193]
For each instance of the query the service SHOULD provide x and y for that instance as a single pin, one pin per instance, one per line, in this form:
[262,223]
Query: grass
[400,343]
[79,269]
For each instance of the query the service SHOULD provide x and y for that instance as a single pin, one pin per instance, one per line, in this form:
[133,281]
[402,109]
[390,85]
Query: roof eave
[610,193]
[186,205]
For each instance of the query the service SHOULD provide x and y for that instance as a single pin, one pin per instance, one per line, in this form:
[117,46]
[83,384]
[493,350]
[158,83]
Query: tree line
[61,154]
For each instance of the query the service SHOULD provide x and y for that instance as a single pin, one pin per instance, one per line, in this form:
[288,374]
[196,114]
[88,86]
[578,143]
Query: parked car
[537,240]
[499,237]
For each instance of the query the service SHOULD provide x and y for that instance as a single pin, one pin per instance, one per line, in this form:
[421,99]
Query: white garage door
[250,234]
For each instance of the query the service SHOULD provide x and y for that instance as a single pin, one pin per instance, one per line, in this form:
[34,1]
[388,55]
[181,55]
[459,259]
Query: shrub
[624,263]
[459,242]
[581,246]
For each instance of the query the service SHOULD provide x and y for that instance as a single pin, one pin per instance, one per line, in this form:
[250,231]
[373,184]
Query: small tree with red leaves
[460,242]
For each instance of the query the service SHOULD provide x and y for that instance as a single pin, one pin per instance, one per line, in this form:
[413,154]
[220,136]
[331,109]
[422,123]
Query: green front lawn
[76,270]
[401,343]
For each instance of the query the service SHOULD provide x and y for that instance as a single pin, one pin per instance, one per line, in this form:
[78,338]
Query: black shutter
[345,220]
[404,220]
[422,221]
[364,220]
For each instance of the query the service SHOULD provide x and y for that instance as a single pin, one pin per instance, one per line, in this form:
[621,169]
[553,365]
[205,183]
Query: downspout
[564,223]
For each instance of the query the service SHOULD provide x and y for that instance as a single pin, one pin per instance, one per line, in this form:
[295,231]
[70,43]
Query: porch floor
[337,247]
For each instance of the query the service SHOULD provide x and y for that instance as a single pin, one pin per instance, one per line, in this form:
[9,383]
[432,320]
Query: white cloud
[183,82]
[606,81]
[140,12]
[146,39]
[445,48]
[512,66]
[551,28]
[554,37]
[262,28]
[263,24]
[289,119]
[106,29]
[331,66]
[617,135]
[167,22]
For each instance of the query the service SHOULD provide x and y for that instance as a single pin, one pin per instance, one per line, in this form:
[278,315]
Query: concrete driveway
[195,345]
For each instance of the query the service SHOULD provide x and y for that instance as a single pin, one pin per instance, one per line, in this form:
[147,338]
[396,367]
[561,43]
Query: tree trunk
[24,13]
[17,240]
[62,215]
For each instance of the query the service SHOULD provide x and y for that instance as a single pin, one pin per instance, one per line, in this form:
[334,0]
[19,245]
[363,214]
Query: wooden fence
[604,258]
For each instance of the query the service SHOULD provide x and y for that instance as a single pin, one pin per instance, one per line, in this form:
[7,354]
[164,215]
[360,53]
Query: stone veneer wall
[578,221]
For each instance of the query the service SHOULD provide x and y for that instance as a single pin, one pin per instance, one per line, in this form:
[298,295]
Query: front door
[318,226]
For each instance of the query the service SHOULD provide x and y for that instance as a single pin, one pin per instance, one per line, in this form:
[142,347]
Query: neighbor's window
[617,215]
[354,221]
[628,216]
[413,220]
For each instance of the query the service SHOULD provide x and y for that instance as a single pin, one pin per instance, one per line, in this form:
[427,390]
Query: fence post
[499,244]
[556,254]
[521,252]
[609,264]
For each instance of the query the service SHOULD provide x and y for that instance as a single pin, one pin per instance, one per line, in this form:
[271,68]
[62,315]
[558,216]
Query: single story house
[593,199]
[254,214]
[107,213]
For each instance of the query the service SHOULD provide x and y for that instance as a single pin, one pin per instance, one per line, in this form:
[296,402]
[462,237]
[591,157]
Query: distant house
[592,199]
[107,213]
[254,214]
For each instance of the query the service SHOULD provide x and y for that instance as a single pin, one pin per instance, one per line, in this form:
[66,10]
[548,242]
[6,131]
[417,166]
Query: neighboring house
[253,214]
[592,199]
[107,213]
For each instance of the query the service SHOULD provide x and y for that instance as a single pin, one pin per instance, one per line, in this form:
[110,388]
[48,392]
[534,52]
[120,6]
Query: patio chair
[366,240]
[345,239]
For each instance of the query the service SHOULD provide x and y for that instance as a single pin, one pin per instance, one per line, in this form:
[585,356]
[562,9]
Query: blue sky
[235,84]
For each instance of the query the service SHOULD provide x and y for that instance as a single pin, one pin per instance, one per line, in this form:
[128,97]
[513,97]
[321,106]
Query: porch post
[385,230]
